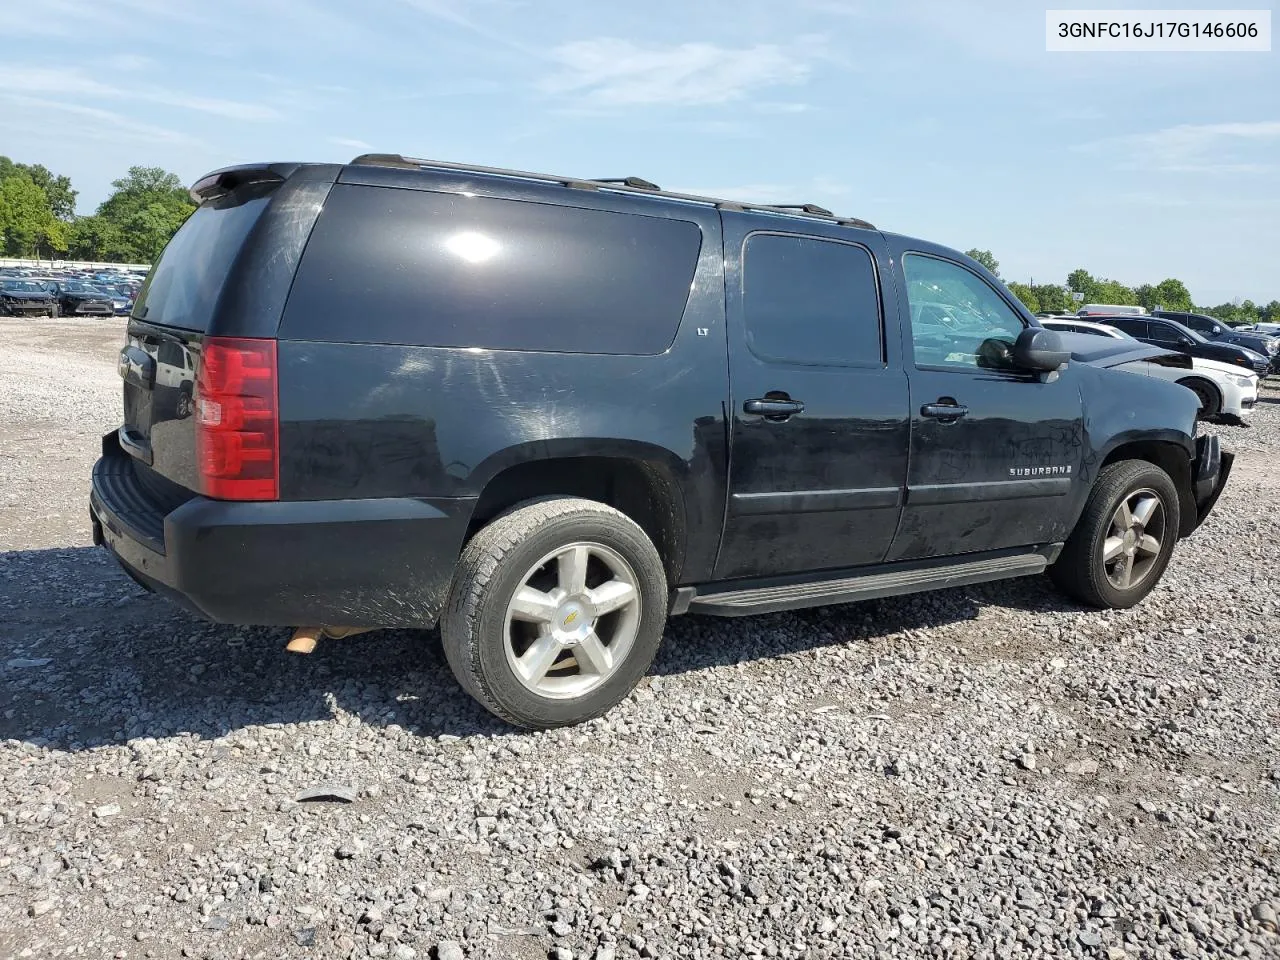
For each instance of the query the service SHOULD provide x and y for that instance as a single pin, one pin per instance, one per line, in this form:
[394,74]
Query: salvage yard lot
[988,771]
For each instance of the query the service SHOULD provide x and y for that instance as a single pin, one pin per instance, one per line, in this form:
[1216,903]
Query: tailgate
[174,310]
[158,367]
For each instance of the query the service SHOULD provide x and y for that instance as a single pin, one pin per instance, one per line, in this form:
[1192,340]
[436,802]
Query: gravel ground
[985,772]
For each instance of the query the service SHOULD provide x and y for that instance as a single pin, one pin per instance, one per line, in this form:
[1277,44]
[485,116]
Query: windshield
[1186,331]
[23,286]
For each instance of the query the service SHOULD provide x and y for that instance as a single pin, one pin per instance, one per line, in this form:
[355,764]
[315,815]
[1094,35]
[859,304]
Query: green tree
[1053,298]
[1169,295]
[1115,292]
[95,238]
[1081,281]
[146,209]
[1026,294]
[57,190]
[986,258]
[25,220]
[1271,312]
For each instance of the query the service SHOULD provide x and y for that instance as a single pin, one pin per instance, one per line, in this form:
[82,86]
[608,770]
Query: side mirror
[1039,349]
[1185,341]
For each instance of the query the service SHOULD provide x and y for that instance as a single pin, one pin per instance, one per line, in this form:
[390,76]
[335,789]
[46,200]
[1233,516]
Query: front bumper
[87,307]
[361,563]
[1209,473]
[26,308]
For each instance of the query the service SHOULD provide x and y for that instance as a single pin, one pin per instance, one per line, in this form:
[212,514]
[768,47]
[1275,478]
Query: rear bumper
[361,563]
[1209,473]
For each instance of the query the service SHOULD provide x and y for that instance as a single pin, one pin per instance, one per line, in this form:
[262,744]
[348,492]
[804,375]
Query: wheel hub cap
[572,620]
[1131,550]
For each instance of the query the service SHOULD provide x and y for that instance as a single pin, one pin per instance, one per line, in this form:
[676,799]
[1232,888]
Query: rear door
[1133,326]
[994,450]
[819,419]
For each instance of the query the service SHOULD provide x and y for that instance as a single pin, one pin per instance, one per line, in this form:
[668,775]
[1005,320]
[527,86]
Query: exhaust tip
[304,639]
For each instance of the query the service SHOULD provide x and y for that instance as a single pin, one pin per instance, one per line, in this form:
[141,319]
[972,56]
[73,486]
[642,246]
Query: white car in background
[1224,389]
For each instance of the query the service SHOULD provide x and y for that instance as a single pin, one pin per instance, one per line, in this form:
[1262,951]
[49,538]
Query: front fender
[1132,416]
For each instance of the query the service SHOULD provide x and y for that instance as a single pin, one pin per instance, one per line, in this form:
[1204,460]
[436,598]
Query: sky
[945,120]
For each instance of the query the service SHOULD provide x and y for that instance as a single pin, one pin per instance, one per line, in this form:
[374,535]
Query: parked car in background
[77,298]
[417,404]
[1174,336]
[1223,389]
[26,298]
[1108,310]
[1213,329]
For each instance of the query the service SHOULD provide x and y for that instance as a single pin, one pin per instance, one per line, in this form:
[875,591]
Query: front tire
[1124,539]
[555,612]
[1208,395]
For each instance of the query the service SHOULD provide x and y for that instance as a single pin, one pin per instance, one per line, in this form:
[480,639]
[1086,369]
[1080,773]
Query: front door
[994,450]
[819,416]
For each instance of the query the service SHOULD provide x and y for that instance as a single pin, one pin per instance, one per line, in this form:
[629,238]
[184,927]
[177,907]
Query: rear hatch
[173,316]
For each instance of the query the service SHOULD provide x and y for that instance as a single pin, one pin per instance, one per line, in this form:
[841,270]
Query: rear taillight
[237,416]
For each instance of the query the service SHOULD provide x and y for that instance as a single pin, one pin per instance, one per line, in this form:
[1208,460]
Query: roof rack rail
[811,208]
[627,185]
[638,182]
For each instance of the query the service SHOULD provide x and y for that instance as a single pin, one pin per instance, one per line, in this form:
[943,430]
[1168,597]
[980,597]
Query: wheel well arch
[1216,390]
[645,490]
[1173,460]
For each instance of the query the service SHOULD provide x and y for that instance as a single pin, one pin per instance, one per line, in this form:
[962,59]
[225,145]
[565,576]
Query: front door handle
[946,412]
[772,409]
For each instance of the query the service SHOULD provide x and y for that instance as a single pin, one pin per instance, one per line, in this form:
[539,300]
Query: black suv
[1161,332]
[1212,329]
[546,413]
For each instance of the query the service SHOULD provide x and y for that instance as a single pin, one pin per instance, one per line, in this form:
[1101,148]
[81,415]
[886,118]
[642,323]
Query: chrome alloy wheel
[1132,546]
[572,620]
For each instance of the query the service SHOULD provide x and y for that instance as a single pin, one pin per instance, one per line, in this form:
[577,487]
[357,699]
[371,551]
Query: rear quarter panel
[367,420]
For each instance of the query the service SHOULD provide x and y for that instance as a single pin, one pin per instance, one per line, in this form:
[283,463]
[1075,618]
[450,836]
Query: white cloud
[128,62]
[97,124]
[1194,148]
[609,71]
[42,80]
[353,144]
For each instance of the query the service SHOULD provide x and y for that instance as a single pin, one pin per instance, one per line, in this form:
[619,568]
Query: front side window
[957,320]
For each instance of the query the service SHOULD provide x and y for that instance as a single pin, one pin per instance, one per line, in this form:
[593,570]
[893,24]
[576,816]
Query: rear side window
[813,301]
[1135,328]
[388,265]
[182,289]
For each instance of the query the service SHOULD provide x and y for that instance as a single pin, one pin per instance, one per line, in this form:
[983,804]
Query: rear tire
[1124,539]
[555,613]
[1208,395]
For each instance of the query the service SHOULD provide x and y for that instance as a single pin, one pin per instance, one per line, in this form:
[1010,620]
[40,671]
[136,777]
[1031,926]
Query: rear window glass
[387,265]
[182,290]
[811,301]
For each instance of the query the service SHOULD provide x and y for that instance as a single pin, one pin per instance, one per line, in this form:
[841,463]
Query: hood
[1220,367]
[1111,352]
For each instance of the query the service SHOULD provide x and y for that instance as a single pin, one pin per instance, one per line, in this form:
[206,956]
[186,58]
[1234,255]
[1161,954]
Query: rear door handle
[772,409]
[943,411]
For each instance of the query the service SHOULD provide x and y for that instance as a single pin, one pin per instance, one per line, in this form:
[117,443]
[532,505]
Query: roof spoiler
[221,182]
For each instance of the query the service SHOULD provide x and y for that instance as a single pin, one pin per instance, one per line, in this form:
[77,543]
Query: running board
[867,586]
